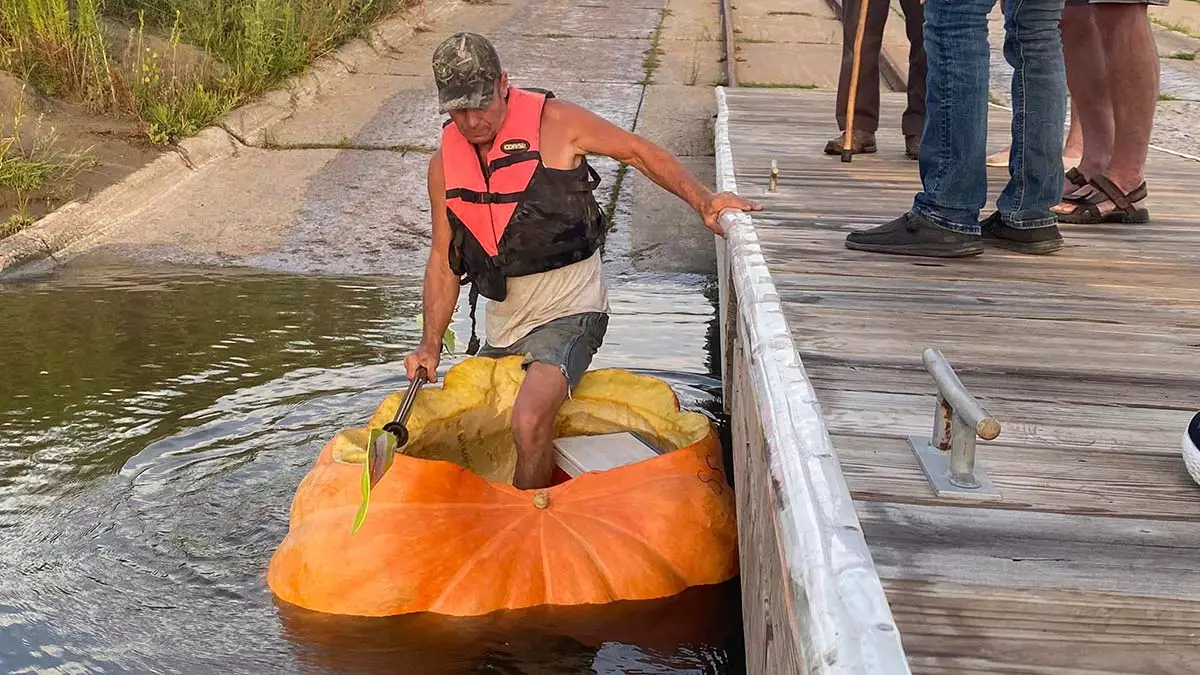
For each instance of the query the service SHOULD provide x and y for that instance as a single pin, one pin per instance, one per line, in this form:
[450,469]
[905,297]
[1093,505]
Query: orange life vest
[514,216]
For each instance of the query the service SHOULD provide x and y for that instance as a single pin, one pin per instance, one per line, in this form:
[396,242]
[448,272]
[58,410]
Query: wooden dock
[1090,359]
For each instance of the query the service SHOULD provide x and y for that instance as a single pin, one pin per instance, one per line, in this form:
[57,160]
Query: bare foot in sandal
[1075,188]
[1105,203]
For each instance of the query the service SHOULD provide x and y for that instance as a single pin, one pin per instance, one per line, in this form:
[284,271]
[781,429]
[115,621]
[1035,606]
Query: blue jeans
[954,144]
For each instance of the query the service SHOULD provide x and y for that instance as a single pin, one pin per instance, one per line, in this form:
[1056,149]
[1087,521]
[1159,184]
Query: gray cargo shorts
[568,342]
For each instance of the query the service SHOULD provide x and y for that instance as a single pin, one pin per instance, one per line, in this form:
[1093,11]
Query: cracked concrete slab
[323,211]
[362,212]
[779,11]
[699,20]
[617,103]
[573,59]
[412,57]
[583,20]
[389,111]
[690,62]
[779,64]
[666,234]
[679,118]
[382,110]
[819,29]
[743,8]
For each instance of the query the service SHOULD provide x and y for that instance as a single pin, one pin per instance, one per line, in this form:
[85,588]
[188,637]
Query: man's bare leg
[1087,80]
[1133,76]
[534,412]
[1073,145]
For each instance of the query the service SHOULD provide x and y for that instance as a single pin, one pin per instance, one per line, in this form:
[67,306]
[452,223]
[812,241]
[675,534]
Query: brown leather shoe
[863,142]
[912,146]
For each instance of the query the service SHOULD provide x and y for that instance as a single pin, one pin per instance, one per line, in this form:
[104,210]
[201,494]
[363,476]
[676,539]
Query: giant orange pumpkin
[447,533]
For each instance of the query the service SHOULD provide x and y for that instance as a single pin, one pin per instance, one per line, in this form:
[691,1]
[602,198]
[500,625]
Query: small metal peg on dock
[948,457]
[774,177]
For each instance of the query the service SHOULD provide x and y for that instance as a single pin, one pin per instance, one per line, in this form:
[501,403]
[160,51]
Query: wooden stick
[848,139]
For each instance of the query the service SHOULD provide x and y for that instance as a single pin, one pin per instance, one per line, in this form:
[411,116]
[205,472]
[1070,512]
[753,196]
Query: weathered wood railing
[812,601]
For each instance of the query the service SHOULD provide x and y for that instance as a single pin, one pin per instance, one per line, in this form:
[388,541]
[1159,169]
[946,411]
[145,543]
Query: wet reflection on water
[154,424]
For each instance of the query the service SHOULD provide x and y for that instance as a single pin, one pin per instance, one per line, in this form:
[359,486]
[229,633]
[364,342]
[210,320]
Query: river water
[155,422]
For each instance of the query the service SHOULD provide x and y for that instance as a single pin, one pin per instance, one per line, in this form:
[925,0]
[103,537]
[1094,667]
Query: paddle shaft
[399,422]
[378,456]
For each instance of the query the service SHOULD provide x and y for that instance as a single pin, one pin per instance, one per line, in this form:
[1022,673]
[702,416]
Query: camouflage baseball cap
[465,67]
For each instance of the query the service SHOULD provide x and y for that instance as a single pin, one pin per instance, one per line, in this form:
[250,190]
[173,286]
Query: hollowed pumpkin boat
[447,533]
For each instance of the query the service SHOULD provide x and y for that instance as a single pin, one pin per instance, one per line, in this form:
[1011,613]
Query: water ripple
[149,454]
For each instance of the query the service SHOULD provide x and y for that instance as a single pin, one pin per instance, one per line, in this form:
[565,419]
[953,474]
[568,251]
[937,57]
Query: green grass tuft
[33,168]
[1175,26]
[64,48]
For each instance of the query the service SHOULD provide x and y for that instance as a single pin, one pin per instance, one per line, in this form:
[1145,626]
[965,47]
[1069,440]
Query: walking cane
[848,139]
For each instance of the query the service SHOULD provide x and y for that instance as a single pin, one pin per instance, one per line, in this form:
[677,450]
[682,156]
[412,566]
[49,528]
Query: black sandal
[1086,209]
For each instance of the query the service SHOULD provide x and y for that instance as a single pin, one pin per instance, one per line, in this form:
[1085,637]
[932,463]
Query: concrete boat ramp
[1080,550]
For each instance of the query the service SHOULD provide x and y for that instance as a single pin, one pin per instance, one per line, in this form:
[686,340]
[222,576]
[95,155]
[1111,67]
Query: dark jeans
[954,149]
[866,101]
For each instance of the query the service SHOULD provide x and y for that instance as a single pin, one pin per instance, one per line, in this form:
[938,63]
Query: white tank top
[537,299]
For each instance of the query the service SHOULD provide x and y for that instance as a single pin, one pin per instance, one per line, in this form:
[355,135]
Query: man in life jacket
[514,215]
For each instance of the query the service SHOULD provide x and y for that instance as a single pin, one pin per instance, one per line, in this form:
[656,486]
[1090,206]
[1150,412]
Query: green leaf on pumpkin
[366,499]
[365,482]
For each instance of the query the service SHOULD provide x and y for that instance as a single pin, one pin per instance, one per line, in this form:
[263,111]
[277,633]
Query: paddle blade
[379,454]
[379,460]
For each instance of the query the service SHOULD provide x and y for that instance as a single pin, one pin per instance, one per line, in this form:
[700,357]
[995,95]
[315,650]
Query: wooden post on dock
[848,139]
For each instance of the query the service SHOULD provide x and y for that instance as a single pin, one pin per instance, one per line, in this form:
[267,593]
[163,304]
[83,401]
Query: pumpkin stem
[541,500]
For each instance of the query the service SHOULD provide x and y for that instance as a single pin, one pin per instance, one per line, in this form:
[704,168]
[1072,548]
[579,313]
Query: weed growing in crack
[654,52]
[610,209]
[32,167]
[1175,26]
[694,73]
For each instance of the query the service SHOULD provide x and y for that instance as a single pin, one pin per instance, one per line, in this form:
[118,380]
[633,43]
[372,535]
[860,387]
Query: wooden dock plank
[1089,562]
[998,547]
[1054,480]
[999,384]
[1136,431]
[959,628]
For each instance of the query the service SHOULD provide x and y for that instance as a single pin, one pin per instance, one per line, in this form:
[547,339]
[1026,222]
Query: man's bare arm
[441,284]
[591,133]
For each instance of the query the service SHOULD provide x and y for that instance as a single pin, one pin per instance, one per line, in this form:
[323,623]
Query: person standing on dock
[1114,75]
[866,99]
[944,218]
[514,215]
